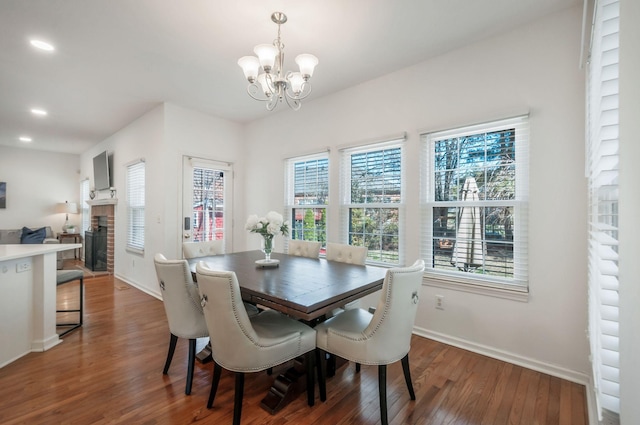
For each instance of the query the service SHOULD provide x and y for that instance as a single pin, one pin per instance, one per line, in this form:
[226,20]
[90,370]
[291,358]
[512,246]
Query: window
[475,203]
[372,199]
[307,197]
[135,207]
[602,171]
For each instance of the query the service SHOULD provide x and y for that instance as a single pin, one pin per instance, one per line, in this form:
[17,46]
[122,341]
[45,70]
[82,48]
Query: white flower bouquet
[272,224]
[268,226]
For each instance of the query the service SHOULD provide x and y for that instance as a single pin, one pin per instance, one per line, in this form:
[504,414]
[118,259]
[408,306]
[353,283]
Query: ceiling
[117,59]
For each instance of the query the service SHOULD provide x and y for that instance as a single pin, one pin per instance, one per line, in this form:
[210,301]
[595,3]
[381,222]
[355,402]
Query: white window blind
[135,206]
[602,170]
[372,182]
[307,193]
[84,197]
[475,204]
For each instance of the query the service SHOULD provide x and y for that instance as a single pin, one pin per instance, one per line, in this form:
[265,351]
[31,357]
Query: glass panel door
[207,201]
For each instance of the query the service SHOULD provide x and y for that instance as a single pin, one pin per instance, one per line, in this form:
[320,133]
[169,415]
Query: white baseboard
[140,287]
[529,363]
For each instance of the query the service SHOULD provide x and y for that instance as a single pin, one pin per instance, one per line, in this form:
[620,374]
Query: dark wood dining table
[303,288]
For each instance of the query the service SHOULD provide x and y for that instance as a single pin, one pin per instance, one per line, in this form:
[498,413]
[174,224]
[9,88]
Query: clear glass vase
[267,246]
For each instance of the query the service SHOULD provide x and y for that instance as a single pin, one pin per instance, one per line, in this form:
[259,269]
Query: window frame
[346,204]
[135,197]
[517,287]
[290,195]
[602,171]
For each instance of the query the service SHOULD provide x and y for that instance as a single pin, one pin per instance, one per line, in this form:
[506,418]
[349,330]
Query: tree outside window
[477,181]
[308,197]
[373,205]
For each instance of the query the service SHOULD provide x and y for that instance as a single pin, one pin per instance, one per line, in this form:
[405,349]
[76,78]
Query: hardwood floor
[110,372]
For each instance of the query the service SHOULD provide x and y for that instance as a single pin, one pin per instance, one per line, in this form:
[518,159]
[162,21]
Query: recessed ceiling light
[25,139]
[42,45]
[40,112]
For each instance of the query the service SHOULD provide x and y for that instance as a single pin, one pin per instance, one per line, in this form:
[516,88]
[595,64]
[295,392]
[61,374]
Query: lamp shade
[307,64]
[267,55]
[296,81]
[67,208]
[250,66]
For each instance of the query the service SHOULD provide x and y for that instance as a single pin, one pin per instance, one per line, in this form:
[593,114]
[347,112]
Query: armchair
[380,338]
[241,344]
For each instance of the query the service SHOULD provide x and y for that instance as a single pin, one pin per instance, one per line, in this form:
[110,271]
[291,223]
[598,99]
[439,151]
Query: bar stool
[65,276]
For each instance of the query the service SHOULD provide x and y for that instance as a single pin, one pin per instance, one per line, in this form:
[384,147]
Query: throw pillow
[33,236]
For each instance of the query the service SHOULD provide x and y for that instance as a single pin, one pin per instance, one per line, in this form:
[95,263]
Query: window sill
[514,293]
[134,250]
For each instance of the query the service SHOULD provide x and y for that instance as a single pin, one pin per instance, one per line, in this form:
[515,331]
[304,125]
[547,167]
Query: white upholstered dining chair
[301,248]
[380,338]
[241,344]
[182,306]
[202,249]
[346,253]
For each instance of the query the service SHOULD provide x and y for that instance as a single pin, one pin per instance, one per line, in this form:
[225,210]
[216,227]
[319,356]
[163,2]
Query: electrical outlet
[440,302]
[23,267]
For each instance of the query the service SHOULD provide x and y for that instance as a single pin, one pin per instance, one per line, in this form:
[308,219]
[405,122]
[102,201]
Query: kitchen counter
[28,299]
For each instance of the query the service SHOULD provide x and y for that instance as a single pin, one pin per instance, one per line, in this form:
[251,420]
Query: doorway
[207,201]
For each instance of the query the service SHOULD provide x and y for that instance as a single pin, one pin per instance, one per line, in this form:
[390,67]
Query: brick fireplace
[103,215]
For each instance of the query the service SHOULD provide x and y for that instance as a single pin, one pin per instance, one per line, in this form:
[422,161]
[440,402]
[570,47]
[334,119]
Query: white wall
[535,69]
[191,133]
[161,137]
[36,182]
[629,212]
[143,138]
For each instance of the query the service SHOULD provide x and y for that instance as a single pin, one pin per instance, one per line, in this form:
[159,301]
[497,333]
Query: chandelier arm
[271,103]
[304,92]
[254,88]
[293,102]
[272,85]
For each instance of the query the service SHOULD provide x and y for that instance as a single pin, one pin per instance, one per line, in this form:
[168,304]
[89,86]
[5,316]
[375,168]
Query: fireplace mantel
[105,201]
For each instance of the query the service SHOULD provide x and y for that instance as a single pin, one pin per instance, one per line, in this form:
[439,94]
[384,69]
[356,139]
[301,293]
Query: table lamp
[68,208]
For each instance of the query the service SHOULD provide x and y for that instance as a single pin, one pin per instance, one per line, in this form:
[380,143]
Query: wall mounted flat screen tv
[101,172]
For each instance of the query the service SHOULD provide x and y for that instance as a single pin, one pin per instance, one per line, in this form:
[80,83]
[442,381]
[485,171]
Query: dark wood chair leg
[331,365]
[382,389]
[237,400]
[192,361]
[217,372]
[311,385]
[357,367]
[407,376]
[172,348]
[321,365]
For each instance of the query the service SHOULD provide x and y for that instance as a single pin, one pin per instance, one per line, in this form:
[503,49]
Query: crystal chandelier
[273,84]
